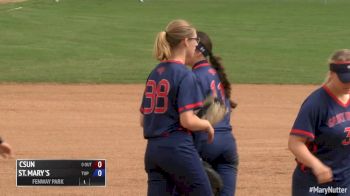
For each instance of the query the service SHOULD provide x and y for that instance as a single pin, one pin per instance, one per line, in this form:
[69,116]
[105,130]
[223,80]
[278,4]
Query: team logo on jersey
[212,71]
[339,118]
[161,70]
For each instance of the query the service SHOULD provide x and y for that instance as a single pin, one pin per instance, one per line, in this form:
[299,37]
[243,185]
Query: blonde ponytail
[161,47]
[167,40]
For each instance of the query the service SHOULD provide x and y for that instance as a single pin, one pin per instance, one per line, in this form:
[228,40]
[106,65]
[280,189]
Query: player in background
[171,94]
[222,153]
[320,136]
[5,149]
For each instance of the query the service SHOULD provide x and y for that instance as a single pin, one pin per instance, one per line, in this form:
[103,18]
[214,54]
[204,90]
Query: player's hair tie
[201,48]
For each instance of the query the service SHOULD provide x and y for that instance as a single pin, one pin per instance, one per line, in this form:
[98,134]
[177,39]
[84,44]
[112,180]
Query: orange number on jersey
[219,87]
[346,141]
[213,88]
[156,93]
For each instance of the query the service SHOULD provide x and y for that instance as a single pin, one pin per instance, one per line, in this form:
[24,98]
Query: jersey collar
[329,92]
[173,61]
[202,63]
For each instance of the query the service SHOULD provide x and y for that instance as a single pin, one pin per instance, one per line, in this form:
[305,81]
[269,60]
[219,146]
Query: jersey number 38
[155,93]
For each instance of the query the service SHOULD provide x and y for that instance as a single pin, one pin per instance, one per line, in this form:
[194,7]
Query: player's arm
[5,149]
[297,146]
[190,121]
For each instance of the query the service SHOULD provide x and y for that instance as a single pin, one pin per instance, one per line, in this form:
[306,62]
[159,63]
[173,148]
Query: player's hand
[323,173]
[210,131]
[5,150]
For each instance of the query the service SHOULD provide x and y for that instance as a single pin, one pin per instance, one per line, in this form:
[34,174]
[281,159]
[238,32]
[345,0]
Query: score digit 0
[98,164]
[99,168]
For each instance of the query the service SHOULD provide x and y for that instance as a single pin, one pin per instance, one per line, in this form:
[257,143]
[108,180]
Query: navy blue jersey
[210,83]
[325,122]
[171,88]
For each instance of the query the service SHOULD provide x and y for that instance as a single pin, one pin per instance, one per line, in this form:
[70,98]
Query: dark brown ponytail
[215,61]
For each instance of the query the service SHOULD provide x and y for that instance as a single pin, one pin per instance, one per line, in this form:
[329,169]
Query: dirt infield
[101,121]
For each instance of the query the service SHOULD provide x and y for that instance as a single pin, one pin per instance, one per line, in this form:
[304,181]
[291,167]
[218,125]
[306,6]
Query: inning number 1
[157,92]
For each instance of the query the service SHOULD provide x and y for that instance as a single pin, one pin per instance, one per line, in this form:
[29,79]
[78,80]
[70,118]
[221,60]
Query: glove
[214,178]
[213,110]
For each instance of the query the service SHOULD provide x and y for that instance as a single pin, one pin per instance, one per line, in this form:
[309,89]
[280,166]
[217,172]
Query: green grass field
[111,41]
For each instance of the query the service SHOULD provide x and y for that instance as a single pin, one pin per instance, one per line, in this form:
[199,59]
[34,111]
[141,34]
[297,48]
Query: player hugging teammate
[171,95]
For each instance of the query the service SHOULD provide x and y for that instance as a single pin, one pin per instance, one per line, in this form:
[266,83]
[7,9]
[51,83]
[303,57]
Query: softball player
[320,136]
[171,94]
[222,153]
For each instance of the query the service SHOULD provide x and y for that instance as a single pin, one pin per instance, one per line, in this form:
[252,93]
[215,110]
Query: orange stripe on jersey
[302,132]
[335,98]
[173,61]
[201,65]
[190,106]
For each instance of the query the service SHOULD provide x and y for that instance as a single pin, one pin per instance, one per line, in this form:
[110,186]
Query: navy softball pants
[222,155]
[174,167]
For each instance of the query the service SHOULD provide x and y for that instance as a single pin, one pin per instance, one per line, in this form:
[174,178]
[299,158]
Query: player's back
[160,101]
[209,82]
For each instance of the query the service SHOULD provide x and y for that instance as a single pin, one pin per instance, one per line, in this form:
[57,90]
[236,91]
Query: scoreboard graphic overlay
[31,172]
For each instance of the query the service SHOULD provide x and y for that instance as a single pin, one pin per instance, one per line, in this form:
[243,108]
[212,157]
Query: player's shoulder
[316,99]
[174,66]
[170,68]
[202,67]
[317,94]
[204,71]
